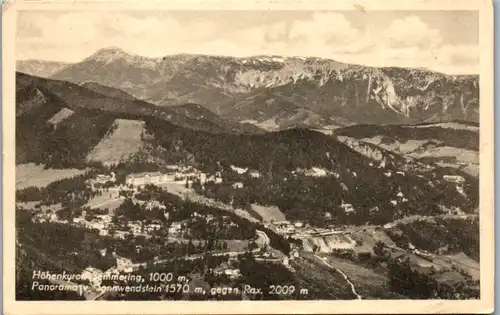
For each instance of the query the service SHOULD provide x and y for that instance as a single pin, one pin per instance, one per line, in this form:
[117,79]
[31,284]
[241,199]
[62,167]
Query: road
[263,235]
[353,289]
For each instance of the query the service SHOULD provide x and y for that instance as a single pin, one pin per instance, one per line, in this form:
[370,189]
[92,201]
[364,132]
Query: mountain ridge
[359,94]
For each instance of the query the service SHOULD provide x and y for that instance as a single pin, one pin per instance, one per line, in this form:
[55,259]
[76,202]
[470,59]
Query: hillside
[350,92]
[378,193]
[108,91]
[40,68]
[380,184]
[276,113]
[453,144]
[196,111]
[39,94]
[121,142]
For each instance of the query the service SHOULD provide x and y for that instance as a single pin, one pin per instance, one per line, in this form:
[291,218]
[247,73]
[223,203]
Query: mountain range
[276,92]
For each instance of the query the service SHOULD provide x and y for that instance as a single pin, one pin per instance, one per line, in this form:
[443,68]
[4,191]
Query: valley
[341,181]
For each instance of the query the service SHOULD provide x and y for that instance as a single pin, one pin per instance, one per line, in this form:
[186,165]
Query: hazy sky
[445,41]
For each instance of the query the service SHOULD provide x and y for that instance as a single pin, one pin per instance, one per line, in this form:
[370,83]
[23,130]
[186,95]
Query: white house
[142,179]
[347,207]
[135,227]
[298,224]
[254,174]
[454,179]
[238,185]
[102,179]
[123,264]
[174,228]
[152,227]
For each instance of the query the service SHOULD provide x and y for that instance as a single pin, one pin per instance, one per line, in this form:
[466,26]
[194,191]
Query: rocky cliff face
[357,93]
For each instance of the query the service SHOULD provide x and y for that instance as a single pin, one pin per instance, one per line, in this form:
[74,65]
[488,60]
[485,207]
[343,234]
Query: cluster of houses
[103,179]
[98,222]
[284,227]
[185,174]
[96,276]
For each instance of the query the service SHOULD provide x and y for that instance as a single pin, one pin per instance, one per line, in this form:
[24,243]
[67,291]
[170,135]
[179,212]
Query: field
[370,238]
[35,175]
[124,140]
[314,273]
[108,200]
[268,214]
[60,116]
[367,282]
[464,262]
[31,205]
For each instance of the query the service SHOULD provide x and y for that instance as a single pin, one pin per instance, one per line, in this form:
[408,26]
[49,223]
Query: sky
[444,41]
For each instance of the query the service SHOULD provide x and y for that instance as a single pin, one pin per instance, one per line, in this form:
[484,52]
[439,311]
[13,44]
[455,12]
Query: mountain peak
[110,54]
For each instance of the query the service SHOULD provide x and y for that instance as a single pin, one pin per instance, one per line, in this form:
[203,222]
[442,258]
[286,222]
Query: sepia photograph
[263,154]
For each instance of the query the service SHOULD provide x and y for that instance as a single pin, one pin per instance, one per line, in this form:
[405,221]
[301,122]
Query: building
[299,224]
[135,227]
[232,273]
[142,179]
[79,220]
[285,261]
[454,179]
[104,218]
[93,275]
[347,207]
[152,227]
[203,178]
[102,179]
[123,264]
[388,225]
[174,228]
[254,174]
[238,185]
[375,209]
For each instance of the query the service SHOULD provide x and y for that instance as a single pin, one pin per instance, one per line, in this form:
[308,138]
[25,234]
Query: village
[180,180]
[99,214]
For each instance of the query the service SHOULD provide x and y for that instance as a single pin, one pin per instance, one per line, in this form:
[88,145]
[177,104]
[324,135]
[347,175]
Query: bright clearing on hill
[60,116]
[269,213]
[122,141]
[35,175]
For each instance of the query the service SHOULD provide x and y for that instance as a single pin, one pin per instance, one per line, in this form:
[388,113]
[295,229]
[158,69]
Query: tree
[378,248]
[253,245]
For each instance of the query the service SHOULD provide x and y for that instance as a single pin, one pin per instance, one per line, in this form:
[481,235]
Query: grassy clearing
[124,141]
[35,175]
[268,213]
[60,116]
[368,283]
